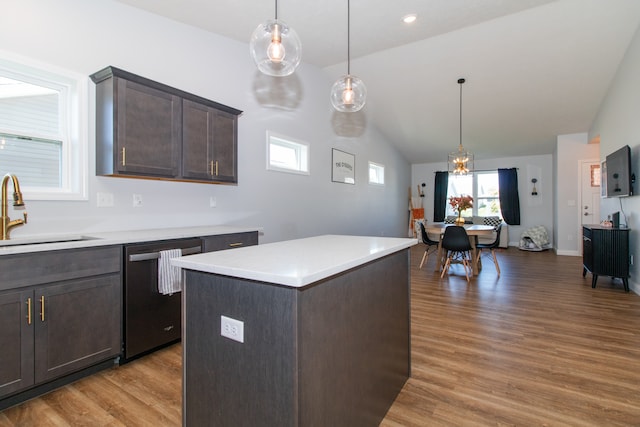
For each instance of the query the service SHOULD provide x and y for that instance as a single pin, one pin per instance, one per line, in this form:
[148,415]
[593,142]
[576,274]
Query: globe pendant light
[348,93]
[460,162]
[275,47]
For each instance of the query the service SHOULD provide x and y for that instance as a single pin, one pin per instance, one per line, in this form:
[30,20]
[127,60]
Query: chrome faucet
[7,224]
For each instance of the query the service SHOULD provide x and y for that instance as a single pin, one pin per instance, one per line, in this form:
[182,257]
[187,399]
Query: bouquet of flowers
[461,203]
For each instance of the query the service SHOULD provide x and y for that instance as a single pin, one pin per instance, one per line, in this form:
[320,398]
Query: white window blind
[30,138]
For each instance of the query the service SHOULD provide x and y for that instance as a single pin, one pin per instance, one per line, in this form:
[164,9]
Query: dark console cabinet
[605,252]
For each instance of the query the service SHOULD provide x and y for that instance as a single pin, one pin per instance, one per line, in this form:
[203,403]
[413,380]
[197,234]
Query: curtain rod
[483,170]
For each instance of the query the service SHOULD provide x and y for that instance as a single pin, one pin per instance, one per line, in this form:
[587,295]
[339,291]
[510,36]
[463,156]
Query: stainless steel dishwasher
[151,319]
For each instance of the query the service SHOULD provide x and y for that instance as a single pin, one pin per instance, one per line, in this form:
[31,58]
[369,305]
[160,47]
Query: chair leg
[446,267]
[425,256]
[495,261]
[465,264]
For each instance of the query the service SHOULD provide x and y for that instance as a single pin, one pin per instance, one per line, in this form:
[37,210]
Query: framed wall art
[343,167]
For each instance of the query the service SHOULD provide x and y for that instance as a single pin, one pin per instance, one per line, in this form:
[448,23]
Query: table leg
[439,256]
[474,259]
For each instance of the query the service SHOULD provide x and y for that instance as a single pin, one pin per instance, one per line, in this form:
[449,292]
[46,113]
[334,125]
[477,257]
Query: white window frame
[73,89]
[378,168]
[301,150]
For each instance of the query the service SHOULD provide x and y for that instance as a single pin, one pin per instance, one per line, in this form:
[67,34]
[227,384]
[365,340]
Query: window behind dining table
[482,186]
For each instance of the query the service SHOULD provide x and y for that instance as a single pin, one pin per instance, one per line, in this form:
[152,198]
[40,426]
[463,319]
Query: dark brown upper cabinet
[145,129]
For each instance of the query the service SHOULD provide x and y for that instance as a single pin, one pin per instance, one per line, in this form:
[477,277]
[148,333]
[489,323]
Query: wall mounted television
[620,179]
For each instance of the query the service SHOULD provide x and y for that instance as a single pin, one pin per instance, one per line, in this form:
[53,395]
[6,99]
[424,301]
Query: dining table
[473,231]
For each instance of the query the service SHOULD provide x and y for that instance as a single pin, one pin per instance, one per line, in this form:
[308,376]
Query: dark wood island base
[331,353]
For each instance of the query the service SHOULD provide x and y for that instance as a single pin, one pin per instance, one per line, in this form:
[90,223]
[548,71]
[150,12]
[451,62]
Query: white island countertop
[296,263]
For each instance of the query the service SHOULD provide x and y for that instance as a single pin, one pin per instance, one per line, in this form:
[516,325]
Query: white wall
[570,151]
[617,123]
[85,36]
[534,210]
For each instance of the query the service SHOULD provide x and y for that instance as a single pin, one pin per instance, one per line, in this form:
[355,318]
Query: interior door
[590,193]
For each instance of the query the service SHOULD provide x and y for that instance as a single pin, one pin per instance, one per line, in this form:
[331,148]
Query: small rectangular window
[287,155]
[376,173]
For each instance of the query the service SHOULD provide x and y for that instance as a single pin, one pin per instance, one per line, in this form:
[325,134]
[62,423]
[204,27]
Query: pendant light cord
[460,81]
[348,37]
[276,10]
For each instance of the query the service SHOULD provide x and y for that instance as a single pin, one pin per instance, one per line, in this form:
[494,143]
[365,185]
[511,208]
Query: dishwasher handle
[155,255]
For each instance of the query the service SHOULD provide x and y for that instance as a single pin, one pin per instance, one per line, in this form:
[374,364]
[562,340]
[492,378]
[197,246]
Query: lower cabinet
[53,329]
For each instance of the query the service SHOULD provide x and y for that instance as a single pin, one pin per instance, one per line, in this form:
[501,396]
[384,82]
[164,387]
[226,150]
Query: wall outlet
[232,328]
[137,200]
[213,202]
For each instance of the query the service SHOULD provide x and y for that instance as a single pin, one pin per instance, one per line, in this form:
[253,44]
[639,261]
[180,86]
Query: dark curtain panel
[509,198]
[440,196]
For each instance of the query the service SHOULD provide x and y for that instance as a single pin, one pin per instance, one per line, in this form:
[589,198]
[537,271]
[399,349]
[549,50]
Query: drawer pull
[235,245]
[28,311]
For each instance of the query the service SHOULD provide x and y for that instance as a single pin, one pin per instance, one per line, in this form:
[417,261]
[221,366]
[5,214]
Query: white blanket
[535,239]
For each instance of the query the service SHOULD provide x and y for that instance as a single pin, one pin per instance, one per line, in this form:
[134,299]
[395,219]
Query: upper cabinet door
[209,145]
[148,130]
[226,147]
[198,128]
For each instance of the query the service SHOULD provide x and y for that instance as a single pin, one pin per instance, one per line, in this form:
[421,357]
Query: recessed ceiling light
[410,19]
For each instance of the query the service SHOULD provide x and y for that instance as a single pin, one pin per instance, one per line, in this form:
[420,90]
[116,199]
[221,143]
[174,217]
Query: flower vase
[459,221]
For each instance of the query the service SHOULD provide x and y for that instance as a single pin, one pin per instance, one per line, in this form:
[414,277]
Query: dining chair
[429,245]
[458,246]
[492,247]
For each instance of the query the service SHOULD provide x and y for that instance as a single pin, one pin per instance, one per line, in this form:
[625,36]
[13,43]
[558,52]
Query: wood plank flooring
[535,347]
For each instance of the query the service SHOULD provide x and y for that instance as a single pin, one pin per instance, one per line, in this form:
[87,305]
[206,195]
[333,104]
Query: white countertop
[22,244]
[295,263]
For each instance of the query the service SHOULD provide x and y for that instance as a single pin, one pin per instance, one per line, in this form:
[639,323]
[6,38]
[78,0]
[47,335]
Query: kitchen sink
[37,240]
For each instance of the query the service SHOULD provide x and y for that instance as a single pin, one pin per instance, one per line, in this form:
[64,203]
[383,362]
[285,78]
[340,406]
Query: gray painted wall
[84,37]
[617,124]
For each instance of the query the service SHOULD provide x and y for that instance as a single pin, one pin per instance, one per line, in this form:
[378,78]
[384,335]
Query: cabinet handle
[211,168]
[124,156]
[234,245]
[28,311]
[216,168]
[42,308]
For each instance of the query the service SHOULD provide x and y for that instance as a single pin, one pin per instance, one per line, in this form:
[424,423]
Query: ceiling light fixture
[460,162]
[275,47]
[409,19]
[348,93]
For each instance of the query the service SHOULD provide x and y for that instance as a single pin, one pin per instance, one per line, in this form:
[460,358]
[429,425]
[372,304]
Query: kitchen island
[317,332]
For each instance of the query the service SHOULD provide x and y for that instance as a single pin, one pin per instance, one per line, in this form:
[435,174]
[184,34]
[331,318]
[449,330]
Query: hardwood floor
[536,346]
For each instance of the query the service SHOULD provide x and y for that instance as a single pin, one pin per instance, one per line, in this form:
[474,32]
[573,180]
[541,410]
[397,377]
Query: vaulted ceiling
[535,69]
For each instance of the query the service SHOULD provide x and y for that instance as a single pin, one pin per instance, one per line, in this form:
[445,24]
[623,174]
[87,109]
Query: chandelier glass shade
[460,162]
[275,47]
[348,93]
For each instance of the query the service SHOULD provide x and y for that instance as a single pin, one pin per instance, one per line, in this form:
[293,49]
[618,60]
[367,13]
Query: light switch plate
[104,200]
